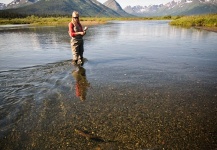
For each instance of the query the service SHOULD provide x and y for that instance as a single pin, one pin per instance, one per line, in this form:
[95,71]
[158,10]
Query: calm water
[145,85]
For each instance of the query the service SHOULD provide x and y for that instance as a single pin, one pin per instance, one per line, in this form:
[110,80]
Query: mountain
[143,10]
[20,3]
[2,6]
[61,7]
[19,8]
[112,4]
[175,7]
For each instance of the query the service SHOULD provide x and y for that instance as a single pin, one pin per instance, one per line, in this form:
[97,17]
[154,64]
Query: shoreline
[97,22]
[212,29]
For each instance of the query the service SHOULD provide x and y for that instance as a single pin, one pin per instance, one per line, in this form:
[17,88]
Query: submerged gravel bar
[154,89]
[123,108]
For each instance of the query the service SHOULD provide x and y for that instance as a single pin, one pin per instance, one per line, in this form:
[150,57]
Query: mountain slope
[112,4]
[190,7]
[65,7]
[175,7]
[2,6]
[20,3]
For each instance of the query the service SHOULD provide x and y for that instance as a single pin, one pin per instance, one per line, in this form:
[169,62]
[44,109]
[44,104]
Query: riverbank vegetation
[208,22]
[35,20]
[205,21]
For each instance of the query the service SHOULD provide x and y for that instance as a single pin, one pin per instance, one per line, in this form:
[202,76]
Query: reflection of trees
[81,82]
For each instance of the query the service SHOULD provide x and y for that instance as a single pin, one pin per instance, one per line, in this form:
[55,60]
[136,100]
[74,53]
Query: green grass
[185,21]
[209,20]
[35,20]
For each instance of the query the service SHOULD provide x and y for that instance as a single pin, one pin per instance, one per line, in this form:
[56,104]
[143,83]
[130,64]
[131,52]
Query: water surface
[145,85]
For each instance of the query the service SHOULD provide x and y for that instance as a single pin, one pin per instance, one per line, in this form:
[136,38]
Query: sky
[123,3]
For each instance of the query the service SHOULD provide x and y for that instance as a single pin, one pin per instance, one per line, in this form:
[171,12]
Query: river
[144,85]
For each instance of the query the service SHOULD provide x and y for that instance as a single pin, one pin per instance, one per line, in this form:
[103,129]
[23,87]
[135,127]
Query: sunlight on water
[33,46]
[144,85]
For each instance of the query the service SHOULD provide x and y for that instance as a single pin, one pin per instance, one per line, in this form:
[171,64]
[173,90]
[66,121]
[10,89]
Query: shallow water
[146,85]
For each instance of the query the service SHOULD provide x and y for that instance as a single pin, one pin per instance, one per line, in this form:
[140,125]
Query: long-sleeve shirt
[73,29]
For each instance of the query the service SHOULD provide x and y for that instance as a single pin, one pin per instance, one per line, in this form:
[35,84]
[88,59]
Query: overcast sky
[123,3]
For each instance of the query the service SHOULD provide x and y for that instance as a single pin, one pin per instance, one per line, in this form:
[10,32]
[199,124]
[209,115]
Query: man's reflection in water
[81,82]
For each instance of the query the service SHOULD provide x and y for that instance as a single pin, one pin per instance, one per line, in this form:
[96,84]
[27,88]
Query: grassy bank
[35,20]
[198,21]
[208,22]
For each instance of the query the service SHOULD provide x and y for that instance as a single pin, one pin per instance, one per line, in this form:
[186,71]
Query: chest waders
[77,45]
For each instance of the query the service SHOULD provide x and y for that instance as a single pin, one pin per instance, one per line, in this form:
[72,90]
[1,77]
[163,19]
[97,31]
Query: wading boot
[74,62]
[81,62]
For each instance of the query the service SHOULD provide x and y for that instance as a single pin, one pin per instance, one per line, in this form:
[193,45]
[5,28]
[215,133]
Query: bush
[199,20]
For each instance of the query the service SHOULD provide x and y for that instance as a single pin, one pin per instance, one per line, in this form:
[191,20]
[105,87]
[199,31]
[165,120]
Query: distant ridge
[92,8]
[174,8]
[63,7]
[112,4]
[20,3]
[2,6]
